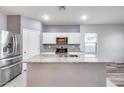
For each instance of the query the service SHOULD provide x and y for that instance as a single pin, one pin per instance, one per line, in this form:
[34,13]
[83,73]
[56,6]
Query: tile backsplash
[52,47]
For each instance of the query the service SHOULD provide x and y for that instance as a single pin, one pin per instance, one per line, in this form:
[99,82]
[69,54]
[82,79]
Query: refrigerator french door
[7,44]
[10,56]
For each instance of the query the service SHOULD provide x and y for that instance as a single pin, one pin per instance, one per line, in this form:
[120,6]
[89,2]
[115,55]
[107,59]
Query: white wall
[3,22]
[110,40]
[41,37]
[62,28]
[30,23]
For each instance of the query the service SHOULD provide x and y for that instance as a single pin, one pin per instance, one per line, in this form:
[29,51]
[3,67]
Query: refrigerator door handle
[14,45]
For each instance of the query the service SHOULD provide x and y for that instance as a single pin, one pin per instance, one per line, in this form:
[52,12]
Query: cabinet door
[49,38]
[74,38]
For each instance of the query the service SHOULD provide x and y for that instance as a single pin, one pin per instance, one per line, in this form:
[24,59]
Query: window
[90,43]
[90,37]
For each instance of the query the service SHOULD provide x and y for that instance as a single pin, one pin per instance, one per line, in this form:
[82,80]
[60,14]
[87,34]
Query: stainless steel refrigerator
[10,56]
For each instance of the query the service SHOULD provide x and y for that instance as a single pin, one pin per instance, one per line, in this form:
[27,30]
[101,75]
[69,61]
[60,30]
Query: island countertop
[66,71]
[57,59]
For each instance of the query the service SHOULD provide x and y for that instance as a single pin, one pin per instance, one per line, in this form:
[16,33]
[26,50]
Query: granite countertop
[57,59]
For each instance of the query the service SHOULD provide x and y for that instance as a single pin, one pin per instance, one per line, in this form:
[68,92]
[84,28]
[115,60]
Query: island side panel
[66,75]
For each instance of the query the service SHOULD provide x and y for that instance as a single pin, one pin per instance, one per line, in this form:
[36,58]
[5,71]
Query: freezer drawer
[10,61]
[9,72]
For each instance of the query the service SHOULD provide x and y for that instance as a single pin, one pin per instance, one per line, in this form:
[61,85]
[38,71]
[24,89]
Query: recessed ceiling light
[84,17]
[45,17]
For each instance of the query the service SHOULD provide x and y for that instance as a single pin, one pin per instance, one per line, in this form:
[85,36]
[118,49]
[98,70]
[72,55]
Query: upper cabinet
[50,38]
[74,38]
[71,32]
[14,23]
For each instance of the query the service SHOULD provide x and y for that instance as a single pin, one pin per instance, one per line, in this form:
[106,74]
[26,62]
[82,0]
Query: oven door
[7,44]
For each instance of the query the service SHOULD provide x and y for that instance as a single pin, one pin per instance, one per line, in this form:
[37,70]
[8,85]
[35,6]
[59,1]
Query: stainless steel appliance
[61,50]
[61,40]
[10,56]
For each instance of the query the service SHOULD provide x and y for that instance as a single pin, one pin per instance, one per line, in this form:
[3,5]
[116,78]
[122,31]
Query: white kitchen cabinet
[50,38]
[74,38]
[61,34]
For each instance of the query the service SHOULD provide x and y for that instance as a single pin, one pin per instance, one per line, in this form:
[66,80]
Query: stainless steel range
[10,56]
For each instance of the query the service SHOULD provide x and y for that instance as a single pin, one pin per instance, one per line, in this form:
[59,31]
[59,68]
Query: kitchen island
[56,71]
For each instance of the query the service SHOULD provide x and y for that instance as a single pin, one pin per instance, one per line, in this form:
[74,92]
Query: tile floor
[20,81]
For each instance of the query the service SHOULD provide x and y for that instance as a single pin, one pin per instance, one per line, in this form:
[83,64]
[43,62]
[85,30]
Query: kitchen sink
[73,55]
[70,55]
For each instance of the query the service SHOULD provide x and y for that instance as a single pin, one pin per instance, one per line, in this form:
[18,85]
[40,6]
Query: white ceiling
[72,14]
